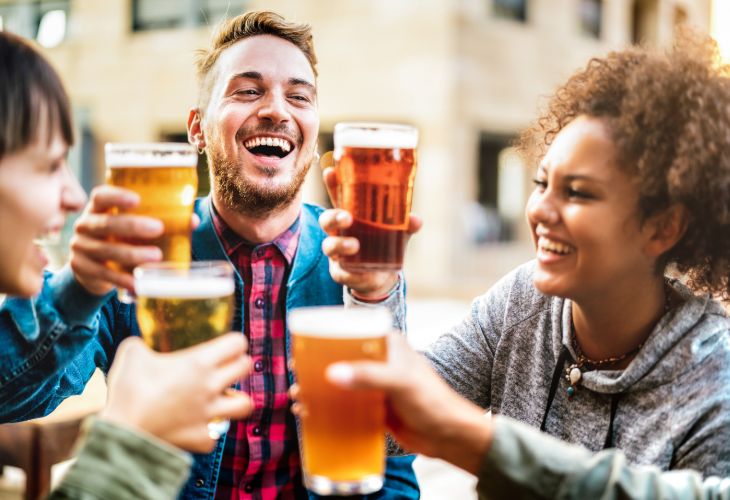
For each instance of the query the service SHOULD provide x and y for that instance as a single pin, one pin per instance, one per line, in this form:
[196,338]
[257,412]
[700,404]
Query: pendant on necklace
[573,376]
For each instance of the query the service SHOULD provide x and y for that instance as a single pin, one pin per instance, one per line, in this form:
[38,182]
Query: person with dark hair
[610,338]
[256,120]
[131,448]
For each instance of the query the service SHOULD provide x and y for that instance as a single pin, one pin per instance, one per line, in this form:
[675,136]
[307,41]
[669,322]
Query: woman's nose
[541,209]
[73,197]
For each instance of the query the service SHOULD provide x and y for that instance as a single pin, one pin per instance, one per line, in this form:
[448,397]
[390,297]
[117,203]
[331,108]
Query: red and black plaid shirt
[261,455]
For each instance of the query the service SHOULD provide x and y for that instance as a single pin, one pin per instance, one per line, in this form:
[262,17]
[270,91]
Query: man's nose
[274,108]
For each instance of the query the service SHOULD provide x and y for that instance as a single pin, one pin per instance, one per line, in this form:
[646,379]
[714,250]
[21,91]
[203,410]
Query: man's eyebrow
[251,75]
[301,81]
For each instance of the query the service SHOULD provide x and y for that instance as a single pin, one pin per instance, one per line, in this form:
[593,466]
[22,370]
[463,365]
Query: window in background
[510,9]
[43,20]
[591,12]
[165,14]
[645,21]
[501,192]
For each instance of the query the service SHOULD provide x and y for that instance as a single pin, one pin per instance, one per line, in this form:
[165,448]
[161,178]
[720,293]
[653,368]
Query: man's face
[260,124]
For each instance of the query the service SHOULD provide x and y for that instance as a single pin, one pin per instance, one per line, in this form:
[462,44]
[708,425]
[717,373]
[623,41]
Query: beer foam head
[181,287]
[375,135]
[340,322]
[170,154]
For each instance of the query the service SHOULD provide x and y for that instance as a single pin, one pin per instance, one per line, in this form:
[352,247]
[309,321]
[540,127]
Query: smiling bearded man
[238,193]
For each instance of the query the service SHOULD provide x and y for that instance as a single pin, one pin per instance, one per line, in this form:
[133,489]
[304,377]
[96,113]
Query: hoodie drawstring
[557,374]
[614,406]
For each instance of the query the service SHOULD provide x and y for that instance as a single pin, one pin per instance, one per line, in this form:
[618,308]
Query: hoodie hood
[682,338]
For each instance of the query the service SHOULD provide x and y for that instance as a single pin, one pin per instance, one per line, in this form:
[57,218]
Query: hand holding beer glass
[180,305]
[343,431]
[375,165]
[165,178]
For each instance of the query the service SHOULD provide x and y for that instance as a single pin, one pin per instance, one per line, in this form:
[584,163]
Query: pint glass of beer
[180,305]
[343,431]
[376,166]
[165,178]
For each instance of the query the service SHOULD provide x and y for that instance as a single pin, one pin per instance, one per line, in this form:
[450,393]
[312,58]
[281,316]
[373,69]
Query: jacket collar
[207,246]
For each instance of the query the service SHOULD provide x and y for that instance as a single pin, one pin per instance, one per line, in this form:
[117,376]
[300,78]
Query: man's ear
[196,137]
[666,229]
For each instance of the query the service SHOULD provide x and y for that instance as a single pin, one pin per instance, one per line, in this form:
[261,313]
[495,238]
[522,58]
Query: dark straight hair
[33,103]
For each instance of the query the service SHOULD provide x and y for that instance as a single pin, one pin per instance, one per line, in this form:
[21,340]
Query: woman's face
[36,190]
[584,218]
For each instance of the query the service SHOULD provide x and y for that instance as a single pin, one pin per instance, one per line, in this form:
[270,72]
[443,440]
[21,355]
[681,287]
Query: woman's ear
[666,229]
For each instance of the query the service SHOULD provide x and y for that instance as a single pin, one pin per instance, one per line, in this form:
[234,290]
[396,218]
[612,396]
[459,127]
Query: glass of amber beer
[183,304]
[343,431]
[376,166]
[165,178]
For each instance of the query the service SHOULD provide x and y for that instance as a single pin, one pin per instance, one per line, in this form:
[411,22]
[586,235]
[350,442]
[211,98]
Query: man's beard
[241,195]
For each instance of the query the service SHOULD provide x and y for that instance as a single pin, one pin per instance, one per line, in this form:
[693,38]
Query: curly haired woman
[593,341]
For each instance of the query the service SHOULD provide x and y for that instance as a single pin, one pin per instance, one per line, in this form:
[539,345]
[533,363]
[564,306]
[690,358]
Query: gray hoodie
[670,407]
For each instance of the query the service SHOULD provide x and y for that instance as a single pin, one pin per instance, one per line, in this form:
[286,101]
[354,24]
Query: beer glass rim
[150,155]
[403,127]
[148,147]
[201,279]
[340,322]
[374,135]
[201,268]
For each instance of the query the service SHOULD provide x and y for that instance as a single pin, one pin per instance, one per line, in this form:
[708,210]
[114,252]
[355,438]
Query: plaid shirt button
[259,303]
[258,365]
[256,431]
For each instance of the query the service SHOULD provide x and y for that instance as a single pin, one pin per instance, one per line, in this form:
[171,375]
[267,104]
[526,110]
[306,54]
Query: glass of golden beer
[343,431]
[165,178]
[183,304]
[376,167]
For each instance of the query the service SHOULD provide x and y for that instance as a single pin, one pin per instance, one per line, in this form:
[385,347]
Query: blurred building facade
[468,73]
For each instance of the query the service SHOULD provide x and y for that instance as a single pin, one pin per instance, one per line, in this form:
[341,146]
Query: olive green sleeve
[118,463]
[525,463]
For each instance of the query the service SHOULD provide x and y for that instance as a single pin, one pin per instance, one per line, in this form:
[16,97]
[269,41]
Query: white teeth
[50,237]
[283,144]
[554,246]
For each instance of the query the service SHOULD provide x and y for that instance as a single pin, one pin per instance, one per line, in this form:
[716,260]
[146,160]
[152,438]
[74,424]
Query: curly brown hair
[668,113]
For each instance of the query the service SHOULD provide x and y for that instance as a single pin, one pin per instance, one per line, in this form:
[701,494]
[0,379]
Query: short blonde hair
[245,26]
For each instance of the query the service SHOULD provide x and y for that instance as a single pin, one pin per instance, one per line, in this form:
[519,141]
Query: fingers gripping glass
[181,305]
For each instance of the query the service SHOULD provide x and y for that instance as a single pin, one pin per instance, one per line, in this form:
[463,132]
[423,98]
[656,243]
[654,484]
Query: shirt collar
[286,242]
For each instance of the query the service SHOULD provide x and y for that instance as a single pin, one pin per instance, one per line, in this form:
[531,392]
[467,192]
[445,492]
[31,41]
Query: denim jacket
[51,345]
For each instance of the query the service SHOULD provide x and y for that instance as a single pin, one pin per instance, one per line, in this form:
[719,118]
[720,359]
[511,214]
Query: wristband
[379,298]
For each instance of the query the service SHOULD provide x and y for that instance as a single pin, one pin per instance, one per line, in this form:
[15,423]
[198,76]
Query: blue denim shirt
[51,345]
